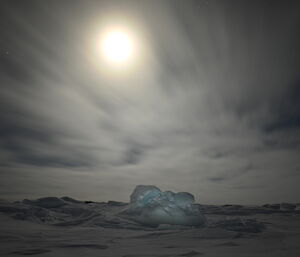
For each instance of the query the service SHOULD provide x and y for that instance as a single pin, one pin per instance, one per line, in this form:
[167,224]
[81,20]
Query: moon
[117,47]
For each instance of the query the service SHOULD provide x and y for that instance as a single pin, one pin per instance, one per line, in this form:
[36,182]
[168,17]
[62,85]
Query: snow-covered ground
[66,227]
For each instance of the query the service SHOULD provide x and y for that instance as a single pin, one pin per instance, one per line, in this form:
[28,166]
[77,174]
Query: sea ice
[143,195]
[150,206]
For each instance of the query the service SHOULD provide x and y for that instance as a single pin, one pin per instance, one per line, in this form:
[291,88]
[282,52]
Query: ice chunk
[150,206]
[173,215]
[143,195]
[184,199]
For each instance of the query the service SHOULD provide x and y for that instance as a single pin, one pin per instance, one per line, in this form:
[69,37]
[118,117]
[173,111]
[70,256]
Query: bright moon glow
[117,47]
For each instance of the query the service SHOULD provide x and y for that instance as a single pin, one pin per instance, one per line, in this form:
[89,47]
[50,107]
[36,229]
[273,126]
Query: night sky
[211,104]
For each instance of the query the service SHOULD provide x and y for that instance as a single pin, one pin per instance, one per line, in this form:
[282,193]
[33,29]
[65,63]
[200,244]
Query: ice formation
[150,206]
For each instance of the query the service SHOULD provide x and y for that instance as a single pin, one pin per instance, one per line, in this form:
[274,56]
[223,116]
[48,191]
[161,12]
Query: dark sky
[212,106]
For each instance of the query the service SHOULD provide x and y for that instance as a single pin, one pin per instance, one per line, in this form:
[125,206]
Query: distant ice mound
[46,202]
[150,206]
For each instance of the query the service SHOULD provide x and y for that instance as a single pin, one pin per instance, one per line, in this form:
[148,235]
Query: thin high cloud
[214,110]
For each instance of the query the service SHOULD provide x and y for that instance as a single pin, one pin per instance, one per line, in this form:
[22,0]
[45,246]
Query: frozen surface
[92,229]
